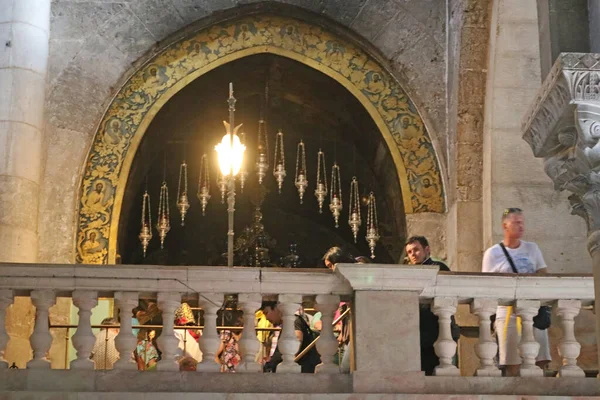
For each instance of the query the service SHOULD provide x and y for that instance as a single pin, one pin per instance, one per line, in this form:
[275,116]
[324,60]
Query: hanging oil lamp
[243,174]
[372,236]
[146,232]
[262,163]
[163,226]
[279,161]
[321,190]
[354,210]
[183,204]
[300,181]
[222,183]
[335,200]
[203,184]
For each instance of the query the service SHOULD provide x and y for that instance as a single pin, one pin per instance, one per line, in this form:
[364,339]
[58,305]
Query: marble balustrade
[385,311]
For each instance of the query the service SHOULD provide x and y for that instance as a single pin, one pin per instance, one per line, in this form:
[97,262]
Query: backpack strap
[509,258]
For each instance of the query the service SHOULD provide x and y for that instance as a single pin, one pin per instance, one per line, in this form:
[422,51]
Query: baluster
[529,347]
[84,339]
[168,343]
[288,343]
[569,348]
[486,348]
[249,344]
[125,341]
[6,299]
[41,339]
[445,347]
[210,341]
[327,344]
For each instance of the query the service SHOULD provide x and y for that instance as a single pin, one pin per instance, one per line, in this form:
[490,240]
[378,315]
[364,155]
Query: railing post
[288,343]
[168,343]
[445,347]
[40,339]
[125,341]
[487,348]
[569,347]
[249,345]
[327,344]
[6,299]
[209,342]
[84,339]
[529,347]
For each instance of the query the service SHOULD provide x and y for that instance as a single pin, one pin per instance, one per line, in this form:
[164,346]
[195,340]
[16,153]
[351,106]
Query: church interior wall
[512,178]
[95,46]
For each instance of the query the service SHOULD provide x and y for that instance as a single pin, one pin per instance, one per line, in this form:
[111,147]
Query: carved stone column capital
[563,127]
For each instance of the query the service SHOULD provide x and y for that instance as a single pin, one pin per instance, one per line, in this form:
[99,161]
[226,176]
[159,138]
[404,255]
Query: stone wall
[512,177]
[94,47]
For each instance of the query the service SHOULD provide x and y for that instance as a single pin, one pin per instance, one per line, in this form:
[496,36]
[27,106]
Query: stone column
[84,339]
[24,38]
[41,339]
[249,345]
[569,347]
[444,346]
[125,341]
[529,347]
[288,343]
[168,303]
[486,348]
[562,127]
[327,344]
[6,299]
[209,342]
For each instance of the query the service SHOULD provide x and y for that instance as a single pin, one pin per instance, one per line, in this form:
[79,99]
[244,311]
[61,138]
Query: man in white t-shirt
[527,259]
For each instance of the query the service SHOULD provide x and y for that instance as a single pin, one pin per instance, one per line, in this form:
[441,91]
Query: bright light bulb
[230,157]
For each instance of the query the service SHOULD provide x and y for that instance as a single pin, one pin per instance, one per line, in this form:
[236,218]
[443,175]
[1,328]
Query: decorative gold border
[140,99]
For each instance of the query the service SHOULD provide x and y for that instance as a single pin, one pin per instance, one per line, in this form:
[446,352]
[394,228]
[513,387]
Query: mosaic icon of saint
[95,200]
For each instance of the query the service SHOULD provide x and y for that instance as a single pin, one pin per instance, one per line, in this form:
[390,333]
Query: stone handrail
[385,311]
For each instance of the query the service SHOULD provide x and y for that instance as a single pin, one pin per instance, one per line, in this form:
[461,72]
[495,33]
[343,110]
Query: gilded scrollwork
[401,124]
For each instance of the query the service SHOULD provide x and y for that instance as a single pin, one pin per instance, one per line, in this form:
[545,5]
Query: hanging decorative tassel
[262,163]
[279,161]
[222,183]
[321,190]
[183,204]
[163,226]
[335,201]
[372,236]
[146,232]
[300,180]
[354,210]
[243,174]
[203,184]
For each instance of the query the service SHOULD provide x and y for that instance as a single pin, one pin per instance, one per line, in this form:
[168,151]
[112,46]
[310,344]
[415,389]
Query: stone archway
[130,113]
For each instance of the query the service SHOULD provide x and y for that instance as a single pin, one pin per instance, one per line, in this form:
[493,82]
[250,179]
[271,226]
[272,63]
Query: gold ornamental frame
[128,116]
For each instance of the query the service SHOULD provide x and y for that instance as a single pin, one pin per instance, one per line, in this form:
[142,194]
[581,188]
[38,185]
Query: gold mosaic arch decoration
[140,99]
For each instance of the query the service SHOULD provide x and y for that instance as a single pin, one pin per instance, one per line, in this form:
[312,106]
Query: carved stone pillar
[563,127]
[569,347]
[288,343]
[209,342]
[487,348]
[327,344]
[41,339]
[125,341]
[6,299]
[249,344]
[529,347]
[168,303]
[445,347]
[84,339]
